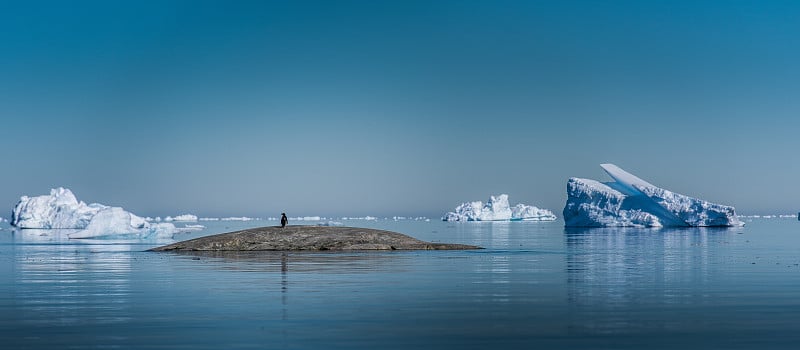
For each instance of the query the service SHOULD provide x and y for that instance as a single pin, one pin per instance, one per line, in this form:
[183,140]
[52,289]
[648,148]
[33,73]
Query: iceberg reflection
[60,282]
[612,272]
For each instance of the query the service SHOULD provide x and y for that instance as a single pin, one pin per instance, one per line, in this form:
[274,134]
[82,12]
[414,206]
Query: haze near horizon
[396,108]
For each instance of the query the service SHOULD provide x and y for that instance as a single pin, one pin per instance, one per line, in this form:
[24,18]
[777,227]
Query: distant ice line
[295,218]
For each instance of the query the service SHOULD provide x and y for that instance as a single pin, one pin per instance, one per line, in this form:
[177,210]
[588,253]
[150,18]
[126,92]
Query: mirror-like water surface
[537,285]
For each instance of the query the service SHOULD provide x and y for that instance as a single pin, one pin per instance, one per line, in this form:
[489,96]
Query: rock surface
[308,238]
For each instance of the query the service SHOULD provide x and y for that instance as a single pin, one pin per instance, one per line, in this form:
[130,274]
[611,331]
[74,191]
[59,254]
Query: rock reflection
[301,261]
[284,284]
[614,272]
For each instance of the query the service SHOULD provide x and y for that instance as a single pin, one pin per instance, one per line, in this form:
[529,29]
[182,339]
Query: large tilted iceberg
[497,209]
[62,210]
[631,201]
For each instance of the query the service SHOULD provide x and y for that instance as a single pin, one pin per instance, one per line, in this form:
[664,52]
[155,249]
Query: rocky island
[308,238]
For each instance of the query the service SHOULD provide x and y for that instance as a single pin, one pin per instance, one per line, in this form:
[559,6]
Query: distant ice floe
[368,218]
[183,217]
[768,216]
[418,218]
[62,210]
[238,218]
[306,218]
[498,209]
[632,202]
[330,223]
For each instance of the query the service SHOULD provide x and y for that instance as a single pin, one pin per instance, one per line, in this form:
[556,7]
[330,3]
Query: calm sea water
[535,286]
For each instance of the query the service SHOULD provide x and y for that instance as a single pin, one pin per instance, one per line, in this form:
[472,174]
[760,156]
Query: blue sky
[404,107]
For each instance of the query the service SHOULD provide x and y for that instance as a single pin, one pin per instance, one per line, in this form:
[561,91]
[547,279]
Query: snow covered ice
[497,209]
[62,210]
[631,201]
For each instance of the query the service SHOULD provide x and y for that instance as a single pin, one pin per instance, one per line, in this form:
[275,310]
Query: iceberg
[62,210]
[497,209]
[629,201]
[58,210]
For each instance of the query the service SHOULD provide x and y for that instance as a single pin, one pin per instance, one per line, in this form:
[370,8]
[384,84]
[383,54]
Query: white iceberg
[62,210]
[58,210]
[531,213]
[631,201]
[497,209]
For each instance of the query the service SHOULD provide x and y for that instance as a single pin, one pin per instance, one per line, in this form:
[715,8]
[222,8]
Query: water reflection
[488,234]
[61,236]
[60,282]
[613,272]
[496,273]
[537,285]
[41,236]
